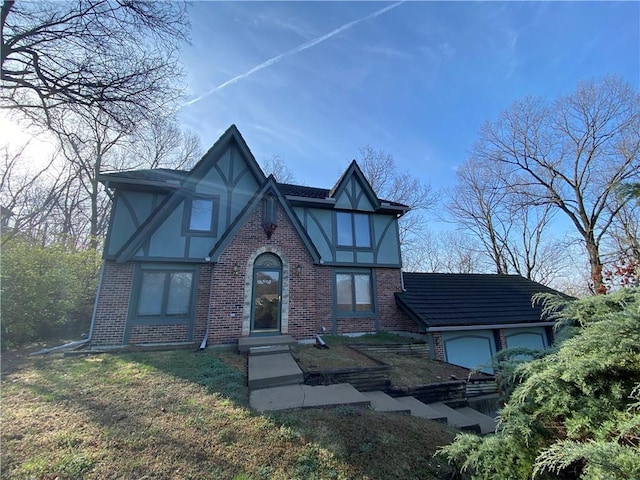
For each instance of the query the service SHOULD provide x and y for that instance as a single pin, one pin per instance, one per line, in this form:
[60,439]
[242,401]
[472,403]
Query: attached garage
[468,318]
[471,348]
[533,338]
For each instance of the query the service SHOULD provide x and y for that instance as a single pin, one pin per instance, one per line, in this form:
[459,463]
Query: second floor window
[353,230]
[201,211]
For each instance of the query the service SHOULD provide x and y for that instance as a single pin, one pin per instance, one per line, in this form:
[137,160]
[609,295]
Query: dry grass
[407,370]
[413,370]
[180,414]
[339,354]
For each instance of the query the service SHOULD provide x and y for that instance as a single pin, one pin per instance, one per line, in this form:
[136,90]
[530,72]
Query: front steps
[422,410]
[273,370]
[381,402]
[246,343]
[306,396]
[276,383]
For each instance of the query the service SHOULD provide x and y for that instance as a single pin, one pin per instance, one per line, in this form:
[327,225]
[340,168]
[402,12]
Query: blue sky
[314,82]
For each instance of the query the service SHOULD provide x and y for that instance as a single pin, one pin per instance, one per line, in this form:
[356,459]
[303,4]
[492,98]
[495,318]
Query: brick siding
[224,286]
[113,304]
[438,346]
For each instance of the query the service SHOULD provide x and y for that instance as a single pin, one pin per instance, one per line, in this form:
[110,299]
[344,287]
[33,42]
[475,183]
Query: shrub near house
[575,412]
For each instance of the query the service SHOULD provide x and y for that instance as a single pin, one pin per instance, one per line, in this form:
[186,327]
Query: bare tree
[513,234]
[27,196]
[162,144]
[458,253]
[621,246]
[571,154]
[425,256]
[93,143]
[478,203]
[117,57]
[277,167]
[379,167]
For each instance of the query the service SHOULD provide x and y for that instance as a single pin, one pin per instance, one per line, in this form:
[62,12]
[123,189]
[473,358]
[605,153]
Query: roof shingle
[449,300]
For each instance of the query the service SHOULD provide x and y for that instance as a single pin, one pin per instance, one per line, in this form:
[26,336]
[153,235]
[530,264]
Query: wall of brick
[438,346]
[388,282]
[146,334]
[113,304]
[224,286]
[202,302]
[228,291]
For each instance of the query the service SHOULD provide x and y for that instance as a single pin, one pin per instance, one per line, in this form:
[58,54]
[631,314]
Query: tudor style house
[221,252]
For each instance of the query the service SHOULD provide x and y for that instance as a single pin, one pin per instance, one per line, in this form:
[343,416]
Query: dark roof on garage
[452,299]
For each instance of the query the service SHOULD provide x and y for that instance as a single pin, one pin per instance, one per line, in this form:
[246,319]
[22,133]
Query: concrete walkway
[276,383]
[306,396]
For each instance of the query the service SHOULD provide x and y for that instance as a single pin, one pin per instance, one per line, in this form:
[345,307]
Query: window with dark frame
[201,213]
[353,230]
[164,293]
[354,293]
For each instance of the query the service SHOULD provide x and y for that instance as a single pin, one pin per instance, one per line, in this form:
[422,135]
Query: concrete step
[487,424]
[455,418]
[245,343]
[306,396]
[381,402]
[273,370]
[419,409]
[269,350]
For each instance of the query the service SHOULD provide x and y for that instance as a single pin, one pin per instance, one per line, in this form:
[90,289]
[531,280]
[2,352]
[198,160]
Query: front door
[267,294]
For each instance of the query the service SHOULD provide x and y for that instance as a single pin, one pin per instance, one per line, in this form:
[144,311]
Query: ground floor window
[164,293]
[354,293]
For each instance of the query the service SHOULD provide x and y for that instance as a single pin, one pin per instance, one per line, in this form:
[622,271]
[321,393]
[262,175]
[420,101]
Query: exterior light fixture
[298,270]
[235,269]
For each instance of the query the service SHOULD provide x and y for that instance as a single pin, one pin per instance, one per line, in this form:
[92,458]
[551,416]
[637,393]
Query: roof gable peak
[354,172]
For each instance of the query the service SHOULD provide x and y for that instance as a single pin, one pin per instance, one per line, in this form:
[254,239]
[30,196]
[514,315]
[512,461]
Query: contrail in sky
[298,49]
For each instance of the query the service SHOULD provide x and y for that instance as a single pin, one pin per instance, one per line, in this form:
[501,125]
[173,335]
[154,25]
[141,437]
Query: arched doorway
[266,307]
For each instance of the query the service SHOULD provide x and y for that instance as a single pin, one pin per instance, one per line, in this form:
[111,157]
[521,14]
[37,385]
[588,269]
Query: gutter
[490,326]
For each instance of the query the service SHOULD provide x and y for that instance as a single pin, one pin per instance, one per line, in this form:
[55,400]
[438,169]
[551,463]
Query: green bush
[46,290]
[574,413]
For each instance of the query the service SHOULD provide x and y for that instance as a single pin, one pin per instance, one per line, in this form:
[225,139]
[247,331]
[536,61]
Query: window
[353,293]
[164,293]
[353,230]
[201,215]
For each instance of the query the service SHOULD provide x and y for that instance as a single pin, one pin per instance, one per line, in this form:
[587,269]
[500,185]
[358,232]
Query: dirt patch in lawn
[413,370]
[338,356]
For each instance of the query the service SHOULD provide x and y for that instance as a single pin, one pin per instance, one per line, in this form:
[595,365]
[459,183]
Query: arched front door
[267,294]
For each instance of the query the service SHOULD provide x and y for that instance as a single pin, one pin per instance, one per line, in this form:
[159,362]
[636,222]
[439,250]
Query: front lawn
[183,414]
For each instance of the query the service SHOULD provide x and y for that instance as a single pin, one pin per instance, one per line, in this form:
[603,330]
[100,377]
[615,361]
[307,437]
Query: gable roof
[269,186]
[354,171]
[443,301]
[188,182]
[152,177]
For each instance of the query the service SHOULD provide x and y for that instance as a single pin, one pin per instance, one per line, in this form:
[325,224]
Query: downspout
[203,344]
[402,280]
[95,303]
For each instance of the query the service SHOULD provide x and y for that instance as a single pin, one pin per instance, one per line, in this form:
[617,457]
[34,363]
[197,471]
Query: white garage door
[471,349]
[534,338]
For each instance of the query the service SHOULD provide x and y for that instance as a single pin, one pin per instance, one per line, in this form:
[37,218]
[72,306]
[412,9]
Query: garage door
[534,338]
[470,349]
